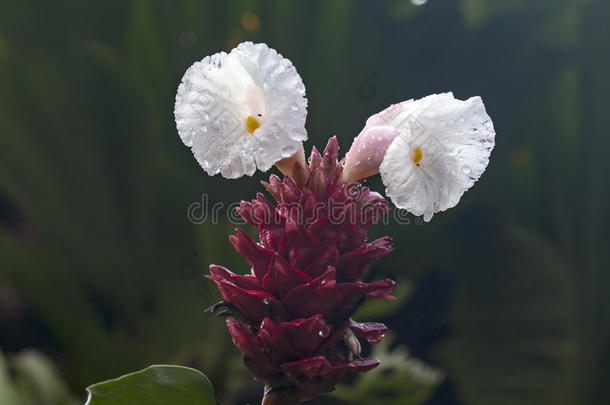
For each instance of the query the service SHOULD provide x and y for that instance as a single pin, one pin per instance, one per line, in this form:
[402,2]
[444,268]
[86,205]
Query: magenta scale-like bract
[291,316]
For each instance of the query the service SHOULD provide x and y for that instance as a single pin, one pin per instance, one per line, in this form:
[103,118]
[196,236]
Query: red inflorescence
[290,317]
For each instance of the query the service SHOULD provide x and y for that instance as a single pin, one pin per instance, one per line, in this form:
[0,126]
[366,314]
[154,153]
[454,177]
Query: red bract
[291,314]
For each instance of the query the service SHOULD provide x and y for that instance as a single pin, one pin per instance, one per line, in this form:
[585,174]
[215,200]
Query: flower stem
[287,165]
[280,396]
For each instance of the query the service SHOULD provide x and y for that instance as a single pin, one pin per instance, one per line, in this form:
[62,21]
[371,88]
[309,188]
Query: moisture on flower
[241,111]
[291,315]
[429,151]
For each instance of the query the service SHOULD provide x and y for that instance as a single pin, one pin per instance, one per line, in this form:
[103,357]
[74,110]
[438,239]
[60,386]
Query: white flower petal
[455,139]
[219,93]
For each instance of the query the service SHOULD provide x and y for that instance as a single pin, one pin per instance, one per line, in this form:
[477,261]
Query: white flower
[242,110]
[442,148]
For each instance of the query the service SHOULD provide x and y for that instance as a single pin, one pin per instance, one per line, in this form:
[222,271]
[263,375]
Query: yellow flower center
[417,156]
[252,124]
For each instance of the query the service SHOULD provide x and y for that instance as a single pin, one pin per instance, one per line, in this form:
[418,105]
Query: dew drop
[188,138]
[466,170]
[294,107]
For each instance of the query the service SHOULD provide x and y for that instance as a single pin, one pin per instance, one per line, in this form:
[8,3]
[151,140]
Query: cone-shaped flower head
[429,151]
[291,314]
[241,111]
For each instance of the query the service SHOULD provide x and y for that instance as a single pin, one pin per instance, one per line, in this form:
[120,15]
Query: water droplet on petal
[466,170]
[294,107]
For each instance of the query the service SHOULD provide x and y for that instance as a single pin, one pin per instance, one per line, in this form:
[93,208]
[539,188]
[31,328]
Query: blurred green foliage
[398,380]
[33,380]
[97,242]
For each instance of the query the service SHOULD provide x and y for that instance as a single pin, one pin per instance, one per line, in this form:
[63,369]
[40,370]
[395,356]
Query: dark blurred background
[504,299]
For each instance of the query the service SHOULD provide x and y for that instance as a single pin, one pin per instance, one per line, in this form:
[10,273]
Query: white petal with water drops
[219,94]
[455,139]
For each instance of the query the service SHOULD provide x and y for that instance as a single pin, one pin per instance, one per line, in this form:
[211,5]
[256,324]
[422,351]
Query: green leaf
[155,385]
